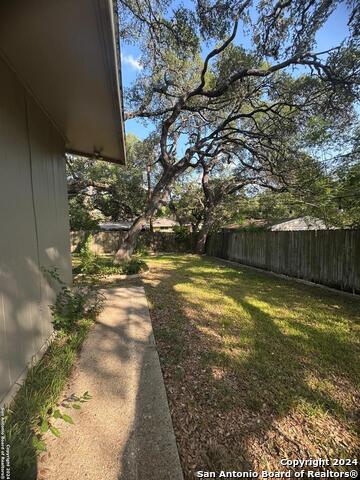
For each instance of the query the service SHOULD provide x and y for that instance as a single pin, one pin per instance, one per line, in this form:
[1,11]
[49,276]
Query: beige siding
[34,230]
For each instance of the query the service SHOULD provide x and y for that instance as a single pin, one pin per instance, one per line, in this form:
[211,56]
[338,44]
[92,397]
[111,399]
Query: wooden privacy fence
[329,257]
[109,242]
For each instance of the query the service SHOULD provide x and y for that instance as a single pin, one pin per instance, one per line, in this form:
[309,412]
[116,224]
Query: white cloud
[133,62]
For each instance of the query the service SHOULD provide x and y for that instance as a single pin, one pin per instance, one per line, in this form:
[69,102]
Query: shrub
[141,249]
[89,262]
[73,304]
[133,266]
[142,246]
[108,267]
[181,233]
[184,239]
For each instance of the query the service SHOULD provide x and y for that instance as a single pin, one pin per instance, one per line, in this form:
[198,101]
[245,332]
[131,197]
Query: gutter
[109,29]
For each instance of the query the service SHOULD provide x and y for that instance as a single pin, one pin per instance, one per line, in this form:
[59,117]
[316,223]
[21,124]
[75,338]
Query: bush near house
[133,266]
[89,263]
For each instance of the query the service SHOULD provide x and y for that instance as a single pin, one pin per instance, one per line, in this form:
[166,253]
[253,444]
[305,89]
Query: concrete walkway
[125,431]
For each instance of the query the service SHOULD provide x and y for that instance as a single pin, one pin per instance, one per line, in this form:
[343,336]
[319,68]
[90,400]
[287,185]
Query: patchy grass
[257,368]
[36,400]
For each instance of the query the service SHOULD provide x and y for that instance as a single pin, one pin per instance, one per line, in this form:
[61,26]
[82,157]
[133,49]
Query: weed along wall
[329,257]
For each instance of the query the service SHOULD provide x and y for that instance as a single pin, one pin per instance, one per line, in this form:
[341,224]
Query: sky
[330,35]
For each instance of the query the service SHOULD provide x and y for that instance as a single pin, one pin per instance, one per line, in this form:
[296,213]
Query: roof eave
[110,28]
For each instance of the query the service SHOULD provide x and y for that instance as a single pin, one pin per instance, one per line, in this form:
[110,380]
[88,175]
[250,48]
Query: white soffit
[66,54]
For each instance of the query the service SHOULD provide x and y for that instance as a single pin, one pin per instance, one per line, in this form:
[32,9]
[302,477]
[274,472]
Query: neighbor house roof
[246,224]
[66,54]
[164,223]
[292,224]
[300,223]
[110,226]
[125,225]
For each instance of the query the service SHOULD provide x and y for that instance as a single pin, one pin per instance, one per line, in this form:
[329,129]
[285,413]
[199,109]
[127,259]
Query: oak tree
[209,95]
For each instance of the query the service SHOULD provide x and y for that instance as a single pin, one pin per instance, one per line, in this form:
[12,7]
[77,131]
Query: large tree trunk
[148,176]
[204,232]
[128,244]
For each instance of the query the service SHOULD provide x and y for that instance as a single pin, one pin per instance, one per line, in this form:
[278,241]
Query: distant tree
[345,199]
[224,195]
[186,203]
[100,190]
[216,191]
[334,198]
[81,215]
[261,108]
[299,177]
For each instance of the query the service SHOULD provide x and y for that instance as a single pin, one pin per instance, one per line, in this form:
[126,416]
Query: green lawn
[257,368]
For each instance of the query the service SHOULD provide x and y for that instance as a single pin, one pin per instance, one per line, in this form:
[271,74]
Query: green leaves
[77,303]
[68,419]
[55,431]
[87,396]
[38,444]
[117,191]
[44,426]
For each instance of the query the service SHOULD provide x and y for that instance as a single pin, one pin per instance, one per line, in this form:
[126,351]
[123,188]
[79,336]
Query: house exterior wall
[34,228]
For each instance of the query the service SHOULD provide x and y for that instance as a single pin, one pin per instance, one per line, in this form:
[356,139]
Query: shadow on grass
[250,355]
